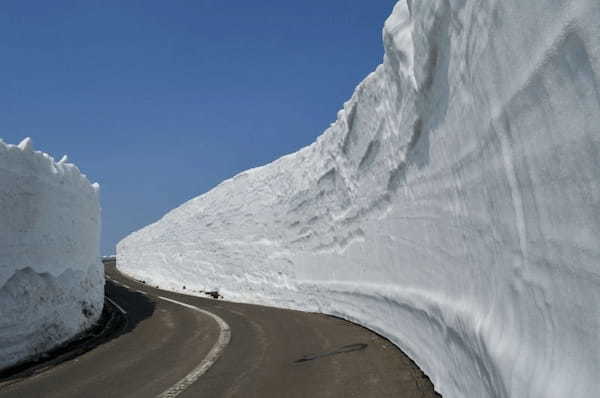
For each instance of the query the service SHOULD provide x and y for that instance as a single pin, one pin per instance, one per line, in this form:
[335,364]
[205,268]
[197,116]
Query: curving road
[271,353]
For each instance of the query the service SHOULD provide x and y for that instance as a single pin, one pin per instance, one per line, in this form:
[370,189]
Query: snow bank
[454,206]
[51,278]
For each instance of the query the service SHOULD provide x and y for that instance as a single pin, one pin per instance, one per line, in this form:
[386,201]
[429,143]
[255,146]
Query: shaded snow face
[454,206]
[51,277]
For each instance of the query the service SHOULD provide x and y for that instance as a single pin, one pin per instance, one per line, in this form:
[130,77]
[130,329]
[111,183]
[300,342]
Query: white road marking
[119,283]
[116,282]
[116,305]
[208,361]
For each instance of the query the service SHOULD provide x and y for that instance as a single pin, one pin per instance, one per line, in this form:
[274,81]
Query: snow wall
[453,207]
[51,277]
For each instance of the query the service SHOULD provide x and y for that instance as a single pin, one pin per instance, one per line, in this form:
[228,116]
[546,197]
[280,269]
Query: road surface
[271,353]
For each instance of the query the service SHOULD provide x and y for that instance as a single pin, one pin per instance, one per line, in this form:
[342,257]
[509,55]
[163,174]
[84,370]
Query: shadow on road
[137,305]
[111,325]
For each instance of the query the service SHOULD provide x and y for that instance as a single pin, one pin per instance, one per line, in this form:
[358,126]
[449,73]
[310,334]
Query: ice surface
[51,278]
[454,206]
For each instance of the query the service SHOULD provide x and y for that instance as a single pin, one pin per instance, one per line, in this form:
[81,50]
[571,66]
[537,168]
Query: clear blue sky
[159,101]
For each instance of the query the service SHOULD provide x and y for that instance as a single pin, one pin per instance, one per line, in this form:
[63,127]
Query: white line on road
[116,282]
[208,361]
[116,305]
[119,283]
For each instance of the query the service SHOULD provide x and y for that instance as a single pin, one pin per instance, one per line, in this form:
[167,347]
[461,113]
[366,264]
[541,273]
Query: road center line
[208,361]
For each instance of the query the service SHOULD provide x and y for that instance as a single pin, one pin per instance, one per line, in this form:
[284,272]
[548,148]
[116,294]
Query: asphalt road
[272,353]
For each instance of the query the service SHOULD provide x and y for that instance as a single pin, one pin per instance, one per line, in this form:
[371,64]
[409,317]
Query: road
[271,353]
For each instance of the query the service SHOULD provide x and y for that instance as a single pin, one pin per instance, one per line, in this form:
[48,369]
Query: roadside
[111,323]
[284,353]
[272,353]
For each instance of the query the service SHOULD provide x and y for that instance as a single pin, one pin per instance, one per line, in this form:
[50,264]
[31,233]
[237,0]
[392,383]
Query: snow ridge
[452,207]
[51,277]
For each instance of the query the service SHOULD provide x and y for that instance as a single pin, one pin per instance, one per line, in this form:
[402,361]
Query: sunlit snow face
[451,207]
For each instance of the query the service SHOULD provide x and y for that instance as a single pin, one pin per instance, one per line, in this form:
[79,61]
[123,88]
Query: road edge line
[116,305]
[208,361]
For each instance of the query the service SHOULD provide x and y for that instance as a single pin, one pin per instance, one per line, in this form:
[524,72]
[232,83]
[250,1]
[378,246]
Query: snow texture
[453,207]
[51,277]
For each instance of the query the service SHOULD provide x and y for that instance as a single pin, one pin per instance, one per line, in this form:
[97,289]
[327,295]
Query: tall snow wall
[454,206]
[51,277]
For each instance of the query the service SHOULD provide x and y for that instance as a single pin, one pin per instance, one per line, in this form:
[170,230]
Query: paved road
[272,353]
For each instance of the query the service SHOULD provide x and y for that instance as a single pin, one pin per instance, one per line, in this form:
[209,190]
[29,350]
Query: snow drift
[51,278]
[454,206]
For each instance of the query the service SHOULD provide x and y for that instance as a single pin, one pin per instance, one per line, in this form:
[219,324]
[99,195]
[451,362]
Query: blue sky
[159,101]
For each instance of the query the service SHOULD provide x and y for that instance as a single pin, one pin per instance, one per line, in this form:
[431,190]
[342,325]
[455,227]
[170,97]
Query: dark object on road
[214,294]
[341,350]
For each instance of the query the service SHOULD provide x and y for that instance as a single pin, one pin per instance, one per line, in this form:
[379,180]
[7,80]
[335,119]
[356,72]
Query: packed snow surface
[51,278]
[454,206]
